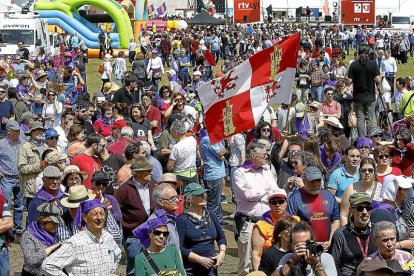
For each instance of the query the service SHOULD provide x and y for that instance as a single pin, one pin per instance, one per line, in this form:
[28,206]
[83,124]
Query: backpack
[101,68]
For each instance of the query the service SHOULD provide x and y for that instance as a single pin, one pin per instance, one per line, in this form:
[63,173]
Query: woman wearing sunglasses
[367,184]
[403,152]
[199,229]
[52,110]
[384,168]
[157,258]
[262,235]
[264,131]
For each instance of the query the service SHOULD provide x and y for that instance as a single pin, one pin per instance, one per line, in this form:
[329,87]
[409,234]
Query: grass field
[231,261]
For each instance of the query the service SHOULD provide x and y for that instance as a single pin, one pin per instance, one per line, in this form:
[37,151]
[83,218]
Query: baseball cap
[404,181]
[281,193]
[194,189]
[13,125]
[300,110]
[51,132]
[99,175]
[358,198]
[197,73]
[313,173]
[391,183]
[52,171]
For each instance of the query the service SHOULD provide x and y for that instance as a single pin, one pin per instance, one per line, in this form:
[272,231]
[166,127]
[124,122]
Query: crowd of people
[321,186]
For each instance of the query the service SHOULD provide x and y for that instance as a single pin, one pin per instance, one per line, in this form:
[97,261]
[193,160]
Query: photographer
[307,257]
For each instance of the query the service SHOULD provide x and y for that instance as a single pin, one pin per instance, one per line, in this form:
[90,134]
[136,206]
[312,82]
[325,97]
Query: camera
[315,248]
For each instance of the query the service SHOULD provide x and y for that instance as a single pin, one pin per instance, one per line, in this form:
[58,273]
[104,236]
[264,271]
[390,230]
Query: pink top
[333,108]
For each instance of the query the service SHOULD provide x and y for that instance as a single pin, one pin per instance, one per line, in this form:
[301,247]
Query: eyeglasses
[382,156]
[277,202]
[362,208]
[172,199]
[367,171]
[2,91]
[294,152]
[53,138]
[266,129]
[158,233]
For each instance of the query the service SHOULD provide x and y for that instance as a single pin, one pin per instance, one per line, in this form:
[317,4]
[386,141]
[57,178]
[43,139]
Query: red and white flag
[235,102]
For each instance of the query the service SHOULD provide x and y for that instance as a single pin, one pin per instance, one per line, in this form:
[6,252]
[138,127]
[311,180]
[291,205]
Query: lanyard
[364,251]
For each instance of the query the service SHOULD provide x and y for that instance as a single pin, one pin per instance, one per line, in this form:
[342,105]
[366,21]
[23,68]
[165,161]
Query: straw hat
[40,74]
[73,169]
[110,87]
[333,121]
[170,178]
[77,194]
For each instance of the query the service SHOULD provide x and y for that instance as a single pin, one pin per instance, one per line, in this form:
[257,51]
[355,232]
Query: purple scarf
[142,231]
[84,208]
[329,164]
[105,120]
[303,127]
[44,237]
[249,165]
[42,194]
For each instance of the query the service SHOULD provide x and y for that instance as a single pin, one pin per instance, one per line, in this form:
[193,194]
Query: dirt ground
[228,268]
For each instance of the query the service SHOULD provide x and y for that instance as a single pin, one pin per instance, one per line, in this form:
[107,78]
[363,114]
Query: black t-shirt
[23,53]
[363,80]
[141,130]
[270,260]
[403,232]
[111,167]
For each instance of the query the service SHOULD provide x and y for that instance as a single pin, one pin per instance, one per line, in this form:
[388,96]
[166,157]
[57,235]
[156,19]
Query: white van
[28,28]
[401,21]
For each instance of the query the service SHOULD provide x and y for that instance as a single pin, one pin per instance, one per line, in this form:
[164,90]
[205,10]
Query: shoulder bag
[164,272]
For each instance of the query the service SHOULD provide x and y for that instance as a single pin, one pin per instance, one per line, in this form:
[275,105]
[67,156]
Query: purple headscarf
[39,233]
[84,208]
[142,231]
[364,142]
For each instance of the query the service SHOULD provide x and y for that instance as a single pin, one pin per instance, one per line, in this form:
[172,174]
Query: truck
[26,27]
[401,21]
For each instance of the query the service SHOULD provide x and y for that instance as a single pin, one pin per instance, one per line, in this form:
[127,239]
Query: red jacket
[132,209]
[406,161]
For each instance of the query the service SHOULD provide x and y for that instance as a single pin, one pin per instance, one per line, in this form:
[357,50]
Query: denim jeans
[316,93]
[132,248]
[365,113]
[11,186]
[165,59]
[4,262]
[184,77]
[214,196]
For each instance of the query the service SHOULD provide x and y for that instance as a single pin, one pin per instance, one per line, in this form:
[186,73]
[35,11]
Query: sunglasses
[294,152]
[53,138]
[277,202]
[362,208]
[383,156]
[329,94]
[172,199]
[367,170]
[158,233]
[102,183]
[266,129]
[50,95]
[377,136]
[2,91]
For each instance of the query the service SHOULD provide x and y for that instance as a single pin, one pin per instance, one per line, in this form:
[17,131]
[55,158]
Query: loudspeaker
[328,18]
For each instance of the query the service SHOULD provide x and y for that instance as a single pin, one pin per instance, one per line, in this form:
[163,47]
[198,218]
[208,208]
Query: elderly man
[352,243]
[253,182]
[302,261]
[135,199]
[92,251]
[166,199]
[156,173]
[28,161]
[51,157]
[50,191]
[9,173]
[316,205]
[127,135]
[385,238]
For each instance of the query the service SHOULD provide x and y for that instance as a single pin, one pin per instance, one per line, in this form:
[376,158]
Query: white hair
[127,131]
[147,148]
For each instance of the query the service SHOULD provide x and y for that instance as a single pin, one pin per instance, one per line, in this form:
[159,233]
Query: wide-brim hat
[333,121]
[73,169]
[77,194]
[34,126]
[170,178]
[110,87]
[40,74]
[141,164]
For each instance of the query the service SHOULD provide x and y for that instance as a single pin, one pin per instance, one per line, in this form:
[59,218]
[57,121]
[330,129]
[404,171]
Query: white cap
[197,73]
[391,184]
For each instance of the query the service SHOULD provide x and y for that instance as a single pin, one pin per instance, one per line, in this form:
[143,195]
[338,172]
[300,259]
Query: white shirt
[184,153]
[143,191]
[388,65]
[53,110]
[252,190]
[155,63]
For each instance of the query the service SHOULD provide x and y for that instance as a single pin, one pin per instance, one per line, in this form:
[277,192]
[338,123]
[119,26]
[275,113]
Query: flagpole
[285,129]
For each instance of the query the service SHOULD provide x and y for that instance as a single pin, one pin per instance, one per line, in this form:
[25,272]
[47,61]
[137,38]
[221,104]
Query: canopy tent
[203,18]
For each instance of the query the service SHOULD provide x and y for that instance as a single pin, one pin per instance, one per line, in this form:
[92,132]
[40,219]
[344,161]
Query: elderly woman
[76,138]
[262,236]
[368,184]
[174,82]
[280,246]
[73,176]
[103,125]
[155,68]
[158,257]
[198,229]
[38,241]
[384,168]
[77,199]
[403,153]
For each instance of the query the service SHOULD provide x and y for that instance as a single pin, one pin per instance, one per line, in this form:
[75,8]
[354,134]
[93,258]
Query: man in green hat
[29,159]
[352,243]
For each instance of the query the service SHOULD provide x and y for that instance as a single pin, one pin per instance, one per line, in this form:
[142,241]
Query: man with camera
[308,257]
